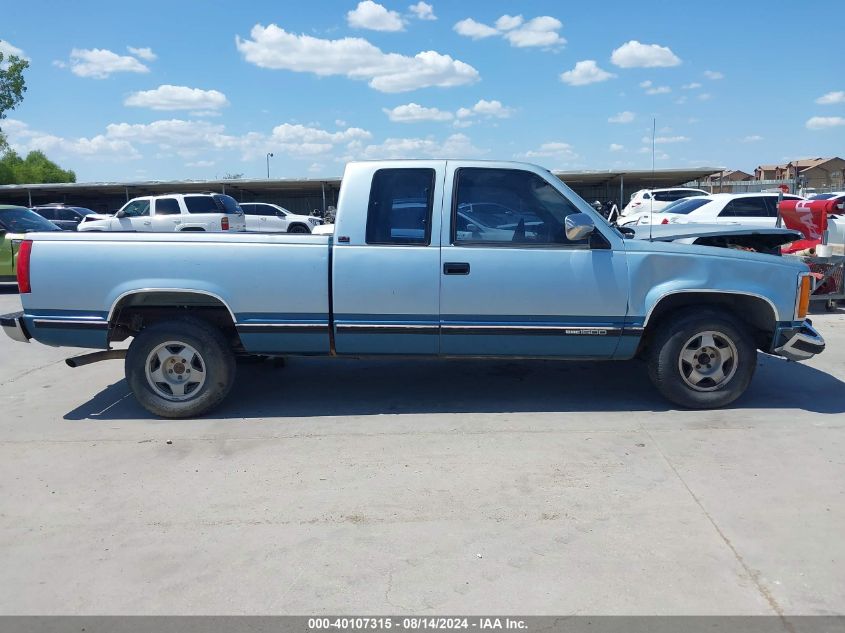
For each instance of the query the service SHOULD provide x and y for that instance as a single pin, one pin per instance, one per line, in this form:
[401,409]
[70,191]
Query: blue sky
[170,90]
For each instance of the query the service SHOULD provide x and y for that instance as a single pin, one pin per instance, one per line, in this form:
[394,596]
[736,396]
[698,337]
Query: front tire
[298,228]
[180,368]
[702,359]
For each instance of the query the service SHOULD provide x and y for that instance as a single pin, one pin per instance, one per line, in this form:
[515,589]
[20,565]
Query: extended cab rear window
[399,211]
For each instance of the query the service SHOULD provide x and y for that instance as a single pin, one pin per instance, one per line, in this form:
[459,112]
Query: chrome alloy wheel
[708,361]
[175,371]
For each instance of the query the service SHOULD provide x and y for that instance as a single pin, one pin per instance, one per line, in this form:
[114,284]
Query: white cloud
[824,122]
[832,98]
[301,140]
[585,72]
[713,74]
[355,58]
[705,96]
[201,163]
[681,100]
[508,22]
[422,11]
[554,149]
[616,147]
[540,31]
[145,53]
[100,63]
[375,17]
[491,109]
[455,146]
[622,117]
[414,113]
[633,54]
[8,50]
[23,139]
[752,138]
[473,29]
[192,140]
[662,140]
[691,86]
[651,89]
[167,97]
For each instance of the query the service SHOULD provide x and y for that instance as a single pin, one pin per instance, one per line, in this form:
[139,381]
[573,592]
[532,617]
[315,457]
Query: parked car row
[15,223]
[181,212]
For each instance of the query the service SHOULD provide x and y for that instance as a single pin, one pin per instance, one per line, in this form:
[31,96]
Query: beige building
[816,173]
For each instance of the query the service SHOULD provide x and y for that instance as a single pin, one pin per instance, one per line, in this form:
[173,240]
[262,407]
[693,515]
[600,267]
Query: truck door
[512,284]
[386,259]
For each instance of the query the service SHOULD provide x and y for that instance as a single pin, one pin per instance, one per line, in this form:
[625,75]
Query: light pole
[269,156]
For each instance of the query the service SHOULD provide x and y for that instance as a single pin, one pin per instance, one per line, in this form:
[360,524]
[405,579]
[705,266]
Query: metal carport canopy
[639,179]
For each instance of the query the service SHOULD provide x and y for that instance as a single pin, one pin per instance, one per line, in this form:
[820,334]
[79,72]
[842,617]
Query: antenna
[651,201]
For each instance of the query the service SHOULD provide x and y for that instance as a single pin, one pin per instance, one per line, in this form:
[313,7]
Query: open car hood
[759,239]
[672,232]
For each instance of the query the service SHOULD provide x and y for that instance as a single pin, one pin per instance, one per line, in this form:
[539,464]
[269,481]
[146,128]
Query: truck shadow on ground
[314,387]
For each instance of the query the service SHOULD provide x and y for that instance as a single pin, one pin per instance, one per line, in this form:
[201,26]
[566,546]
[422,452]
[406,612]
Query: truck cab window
[508,207]
[399,210]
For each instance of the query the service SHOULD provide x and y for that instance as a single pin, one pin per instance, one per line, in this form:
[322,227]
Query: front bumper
[798,343]
[14,327]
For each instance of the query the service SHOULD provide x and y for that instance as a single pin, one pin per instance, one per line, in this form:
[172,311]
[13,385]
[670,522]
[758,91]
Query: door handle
[147,223]
[456,268]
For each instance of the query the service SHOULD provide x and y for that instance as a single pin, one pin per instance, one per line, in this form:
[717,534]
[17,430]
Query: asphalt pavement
[400,486]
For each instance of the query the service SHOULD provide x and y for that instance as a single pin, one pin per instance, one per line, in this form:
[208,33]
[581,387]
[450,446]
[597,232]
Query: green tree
[35,168]
[12,87]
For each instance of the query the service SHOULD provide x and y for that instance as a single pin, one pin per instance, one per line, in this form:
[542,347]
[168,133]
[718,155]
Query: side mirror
[120,214]
[578,226]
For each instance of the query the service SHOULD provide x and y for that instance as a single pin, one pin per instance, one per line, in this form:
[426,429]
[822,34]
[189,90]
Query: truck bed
[252,274]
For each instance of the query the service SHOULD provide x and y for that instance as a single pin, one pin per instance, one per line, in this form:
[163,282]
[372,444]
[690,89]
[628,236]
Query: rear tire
[702,359]
[180,368]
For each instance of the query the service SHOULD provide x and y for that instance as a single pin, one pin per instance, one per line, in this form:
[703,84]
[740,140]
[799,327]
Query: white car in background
[174,212]
[752,209]
[264,217]
[646,201]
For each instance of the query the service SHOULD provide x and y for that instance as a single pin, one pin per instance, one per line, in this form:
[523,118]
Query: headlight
[313,220]
[16,243]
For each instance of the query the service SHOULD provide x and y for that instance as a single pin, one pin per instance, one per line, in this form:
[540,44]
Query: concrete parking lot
[429,487]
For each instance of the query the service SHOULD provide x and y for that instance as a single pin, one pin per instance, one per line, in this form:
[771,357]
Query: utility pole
[269,156]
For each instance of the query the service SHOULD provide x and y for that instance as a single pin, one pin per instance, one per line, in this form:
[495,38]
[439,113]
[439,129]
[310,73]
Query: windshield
[687,205]
[822,196]
[20,220]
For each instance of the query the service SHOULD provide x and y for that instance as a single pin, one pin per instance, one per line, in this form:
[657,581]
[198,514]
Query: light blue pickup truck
[428,258]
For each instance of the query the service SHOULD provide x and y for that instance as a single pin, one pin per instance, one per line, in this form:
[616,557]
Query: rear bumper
[798,343]
[14,327]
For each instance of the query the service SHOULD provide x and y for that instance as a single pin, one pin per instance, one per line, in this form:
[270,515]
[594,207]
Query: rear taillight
[665,221]
[24,252]
[224,223]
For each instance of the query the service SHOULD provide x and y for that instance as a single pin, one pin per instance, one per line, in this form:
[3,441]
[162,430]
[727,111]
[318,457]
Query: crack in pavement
[752,574]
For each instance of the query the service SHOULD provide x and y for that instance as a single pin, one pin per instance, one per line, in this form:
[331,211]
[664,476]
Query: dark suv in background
[65,217]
